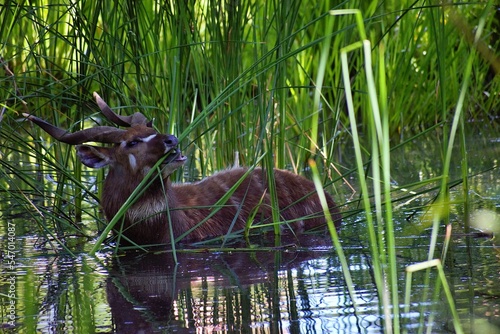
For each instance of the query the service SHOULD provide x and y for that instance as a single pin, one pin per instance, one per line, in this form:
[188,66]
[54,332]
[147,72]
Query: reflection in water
[273,291]
[261,292]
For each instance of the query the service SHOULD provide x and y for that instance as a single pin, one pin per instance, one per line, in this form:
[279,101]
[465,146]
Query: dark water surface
[270,290]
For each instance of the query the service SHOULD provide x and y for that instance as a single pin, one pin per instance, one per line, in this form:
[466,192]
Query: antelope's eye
[132,143]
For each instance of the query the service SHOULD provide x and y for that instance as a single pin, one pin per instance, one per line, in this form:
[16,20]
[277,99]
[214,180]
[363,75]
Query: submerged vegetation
[298,85]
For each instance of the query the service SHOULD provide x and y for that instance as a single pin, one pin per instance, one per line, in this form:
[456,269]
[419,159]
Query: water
[269,290]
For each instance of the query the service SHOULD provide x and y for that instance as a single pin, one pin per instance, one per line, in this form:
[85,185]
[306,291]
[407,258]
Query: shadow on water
[269,290]
[264,291]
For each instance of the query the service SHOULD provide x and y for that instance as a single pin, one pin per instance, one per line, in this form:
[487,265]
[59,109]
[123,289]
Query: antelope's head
[135,151]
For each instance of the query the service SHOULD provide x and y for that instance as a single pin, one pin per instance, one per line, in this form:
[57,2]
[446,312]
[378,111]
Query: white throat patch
[132,161]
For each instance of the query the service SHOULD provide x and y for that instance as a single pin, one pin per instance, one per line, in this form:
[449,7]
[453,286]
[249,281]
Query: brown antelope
[187,209]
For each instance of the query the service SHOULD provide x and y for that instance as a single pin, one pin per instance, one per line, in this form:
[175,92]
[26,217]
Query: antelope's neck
[117,189]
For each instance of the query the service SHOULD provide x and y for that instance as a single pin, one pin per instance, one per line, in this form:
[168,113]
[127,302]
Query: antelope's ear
[92,156]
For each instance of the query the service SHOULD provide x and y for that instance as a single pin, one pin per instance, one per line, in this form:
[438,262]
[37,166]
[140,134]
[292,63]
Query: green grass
[285,85]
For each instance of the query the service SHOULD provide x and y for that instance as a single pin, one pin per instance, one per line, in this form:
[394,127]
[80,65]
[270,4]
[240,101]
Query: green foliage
[261,81]
[257,79]
[229,79]
[380,228]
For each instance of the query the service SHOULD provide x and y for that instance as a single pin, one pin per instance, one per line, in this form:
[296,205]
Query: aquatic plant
[250,84]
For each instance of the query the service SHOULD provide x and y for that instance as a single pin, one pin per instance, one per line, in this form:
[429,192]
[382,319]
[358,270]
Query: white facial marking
[132,161]
[148,138]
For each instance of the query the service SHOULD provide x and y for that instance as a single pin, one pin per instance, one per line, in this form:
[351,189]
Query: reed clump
[275,84]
